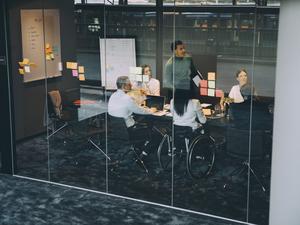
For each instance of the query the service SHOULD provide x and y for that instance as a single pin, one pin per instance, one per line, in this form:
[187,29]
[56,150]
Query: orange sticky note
[203,91]
[211,76]
[72,65]
[203,83]
[81,77]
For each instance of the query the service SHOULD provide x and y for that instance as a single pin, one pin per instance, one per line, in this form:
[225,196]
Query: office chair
[119,134]
[237,146]
[56,115]
[198,149]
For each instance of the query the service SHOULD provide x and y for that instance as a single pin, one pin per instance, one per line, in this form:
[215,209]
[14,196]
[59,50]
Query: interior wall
[285,182]
[29,98]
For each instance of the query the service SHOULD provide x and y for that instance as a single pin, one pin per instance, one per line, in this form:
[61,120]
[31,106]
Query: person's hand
[153,109]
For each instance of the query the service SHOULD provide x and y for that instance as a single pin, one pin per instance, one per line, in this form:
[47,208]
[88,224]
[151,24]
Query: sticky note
[203,91]
[27,69]
[211,92]
[139,78]
[47,45]
[211,84]
[219,93]
[52,56]
[25,61]
[81,77]
[72,65]
[81,69]
[211,76]
[48,57]
[145,78]
[203,83]
[75,73]
[196,80]
[21,71]
[132,77]
[135,70]
[60,67]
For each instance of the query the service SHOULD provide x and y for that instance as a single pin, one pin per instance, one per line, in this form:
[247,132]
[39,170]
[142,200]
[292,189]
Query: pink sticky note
[203,83]
[75,73]
[219,93]
[203,91]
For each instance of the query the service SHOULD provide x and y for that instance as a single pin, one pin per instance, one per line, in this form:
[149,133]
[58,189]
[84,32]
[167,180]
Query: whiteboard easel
[117,55]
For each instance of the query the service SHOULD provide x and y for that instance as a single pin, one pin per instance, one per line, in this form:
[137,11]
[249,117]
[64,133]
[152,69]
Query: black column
[159,41]
[5,116]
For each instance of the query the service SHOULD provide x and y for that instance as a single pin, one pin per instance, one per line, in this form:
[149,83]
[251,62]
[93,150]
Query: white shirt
[193,110]
[153,87]
[235,93]
[122,105]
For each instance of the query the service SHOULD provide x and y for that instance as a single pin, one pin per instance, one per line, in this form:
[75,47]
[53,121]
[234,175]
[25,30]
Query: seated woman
[186,110]
[235,92]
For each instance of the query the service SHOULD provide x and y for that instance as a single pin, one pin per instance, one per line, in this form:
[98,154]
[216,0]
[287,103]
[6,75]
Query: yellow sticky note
[69,65]
[21,64]
[81,77]
[81,69]
[25,61]
[48,57]
[52,56]
[47,45]
[21,71]
[211,76]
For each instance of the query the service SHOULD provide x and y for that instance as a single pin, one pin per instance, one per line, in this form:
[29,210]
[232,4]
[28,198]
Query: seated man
[123,106]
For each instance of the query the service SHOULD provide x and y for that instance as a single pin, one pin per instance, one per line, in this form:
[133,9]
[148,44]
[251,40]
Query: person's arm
[155,89]
[168,75]
[136,108]
[201,117]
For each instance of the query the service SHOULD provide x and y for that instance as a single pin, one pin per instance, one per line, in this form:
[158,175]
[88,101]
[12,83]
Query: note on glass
[72,65]
[197,80]
[211,84]
[135,70]
[132,77]
[145,78]
[75,73]
[219,93]
[81,77]
[27,69]
[139,78]
[81,69]
[211,92]
[21,71]
[60,67]
[211,76]
[25,61]
[203,91]
[203,83]
[48,57]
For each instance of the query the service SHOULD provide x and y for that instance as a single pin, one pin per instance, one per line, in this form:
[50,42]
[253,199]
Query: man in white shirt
[153,86]
[122,105]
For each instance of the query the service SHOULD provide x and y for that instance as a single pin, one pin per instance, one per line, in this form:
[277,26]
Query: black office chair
[58,118]
[199,150]
[237,146]
[119,135]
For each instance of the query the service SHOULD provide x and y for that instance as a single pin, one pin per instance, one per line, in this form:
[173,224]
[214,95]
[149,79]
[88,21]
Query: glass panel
[77,149]
[29,88]
[218,45]
[134,143]
[262,117]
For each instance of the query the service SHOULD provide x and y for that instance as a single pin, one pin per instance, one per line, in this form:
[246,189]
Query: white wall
[285,179]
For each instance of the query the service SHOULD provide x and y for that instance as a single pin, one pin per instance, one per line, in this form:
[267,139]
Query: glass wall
[172,105]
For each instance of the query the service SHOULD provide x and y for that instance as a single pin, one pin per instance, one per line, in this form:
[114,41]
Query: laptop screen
[155,101]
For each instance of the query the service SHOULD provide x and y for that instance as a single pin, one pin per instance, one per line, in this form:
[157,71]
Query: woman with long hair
[186,111]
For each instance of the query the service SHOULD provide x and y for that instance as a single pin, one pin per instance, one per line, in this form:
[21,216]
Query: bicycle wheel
[166,155]
[201,157]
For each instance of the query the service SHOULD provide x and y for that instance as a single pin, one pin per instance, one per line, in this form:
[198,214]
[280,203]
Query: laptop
[155,101]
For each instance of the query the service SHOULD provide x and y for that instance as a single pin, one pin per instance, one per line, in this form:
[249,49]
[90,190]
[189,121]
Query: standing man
[180,69]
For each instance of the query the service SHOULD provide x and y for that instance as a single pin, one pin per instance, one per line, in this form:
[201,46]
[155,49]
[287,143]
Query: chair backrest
[237,143]
[117,129]
[54,103]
